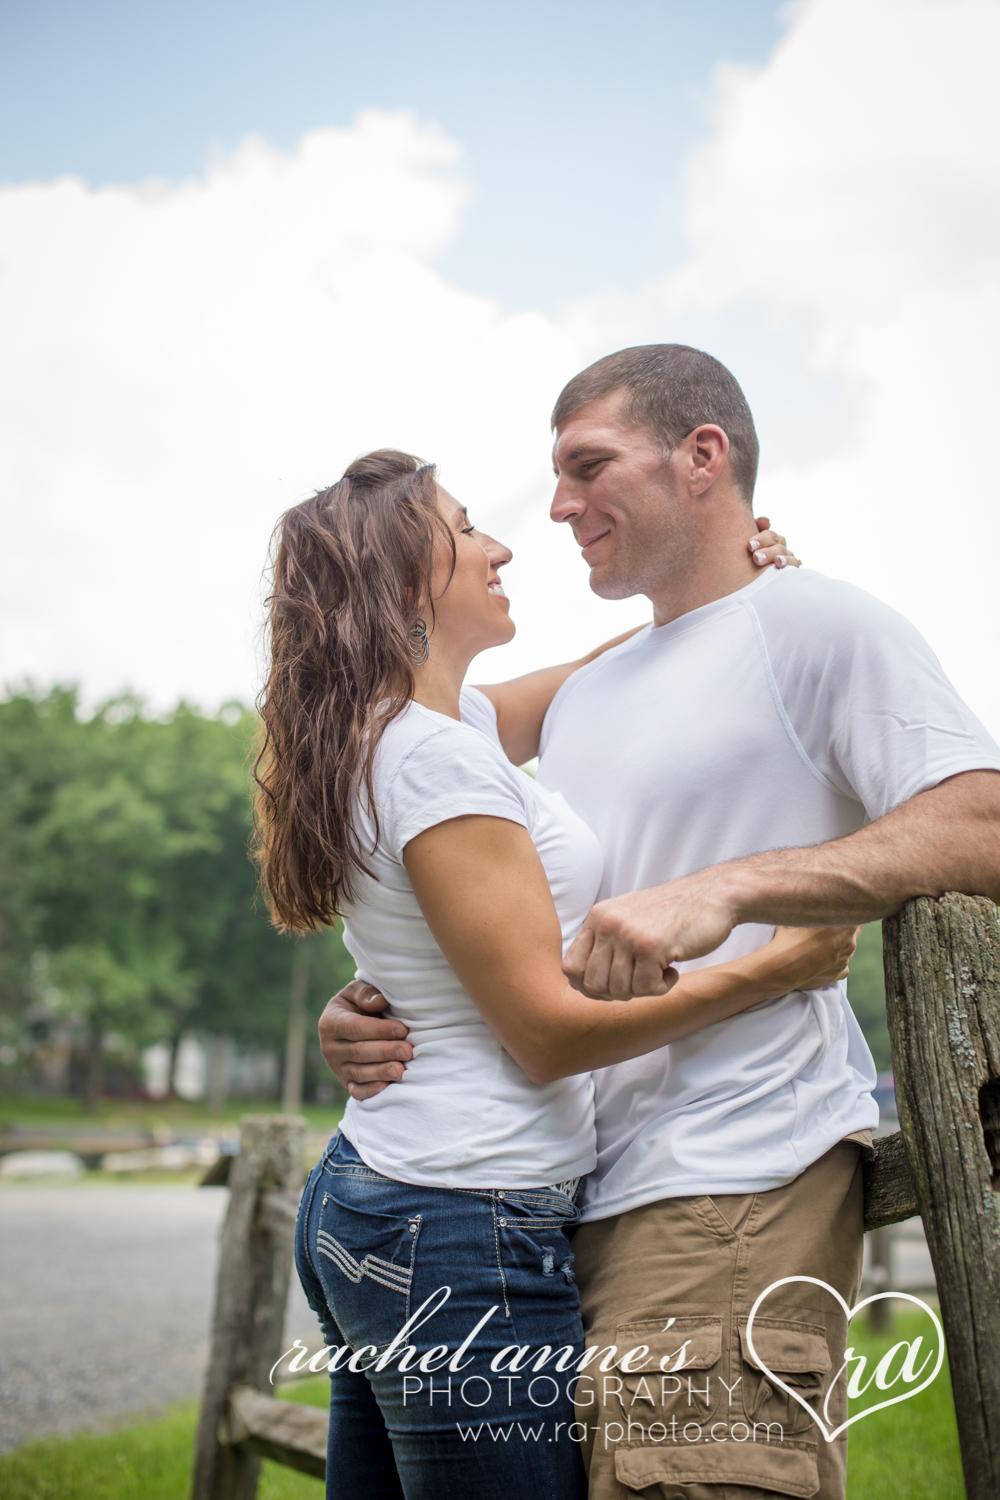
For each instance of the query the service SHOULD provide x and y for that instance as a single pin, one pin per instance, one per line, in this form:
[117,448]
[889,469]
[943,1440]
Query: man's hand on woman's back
[364,1050]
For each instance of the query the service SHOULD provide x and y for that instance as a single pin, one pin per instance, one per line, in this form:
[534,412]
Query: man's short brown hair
[670,390]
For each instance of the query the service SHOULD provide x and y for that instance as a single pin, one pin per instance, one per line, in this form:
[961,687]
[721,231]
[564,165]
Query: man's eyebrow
[581,452]
[587,448]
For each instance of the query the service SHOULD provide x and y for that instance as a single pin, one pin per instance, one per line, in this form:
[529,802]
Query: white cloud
[851,190]
[859,175]
[181,363]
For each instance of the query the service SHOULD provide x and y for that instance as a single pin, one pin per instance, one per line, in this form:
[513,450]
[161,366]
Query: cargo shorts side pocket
[663,1373]
[681,1419]
[679,1374]
[798,1354]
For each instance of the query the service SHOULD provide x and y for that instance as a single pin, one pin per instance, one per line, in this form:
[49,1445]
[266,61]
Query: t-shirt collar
[695,617]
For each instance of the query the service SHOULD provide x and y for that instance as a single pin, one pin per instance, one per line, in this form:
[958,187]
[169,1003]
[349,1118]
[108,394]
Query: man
[778,711]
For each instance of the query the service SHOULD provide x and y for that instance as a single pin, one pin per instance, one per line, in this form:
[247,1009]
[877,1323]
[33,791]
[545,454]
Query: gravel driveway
[105,1301]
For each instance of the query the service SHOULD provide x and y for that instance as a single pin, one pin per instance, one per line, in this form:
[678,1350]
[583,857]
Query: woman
[432,1236]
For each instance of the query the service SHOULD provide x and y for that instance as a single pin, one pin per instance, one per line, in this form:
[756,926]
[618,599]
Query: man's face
[618,493]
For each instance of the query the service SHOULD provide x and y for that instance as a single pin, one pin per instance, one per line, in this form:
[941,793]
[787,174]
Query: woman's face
[473,612]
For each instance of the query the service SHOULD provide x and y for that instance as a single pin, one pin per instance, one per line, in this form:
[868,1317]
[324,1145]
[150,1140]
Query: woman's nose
[497,553]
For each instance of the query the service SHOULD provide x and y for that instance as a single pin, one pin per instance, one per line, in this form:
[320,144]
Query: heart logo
[850,1313]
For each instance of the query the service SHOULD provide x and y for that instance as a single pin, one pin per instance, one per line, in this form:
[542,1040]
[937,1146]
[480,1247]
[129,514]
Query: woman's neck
[438,682]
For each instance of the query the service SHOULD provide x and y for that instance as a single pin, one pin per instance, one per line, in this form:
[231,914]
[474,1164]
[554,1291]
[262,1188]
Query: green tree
[105,846]
[37,751]
[125,881]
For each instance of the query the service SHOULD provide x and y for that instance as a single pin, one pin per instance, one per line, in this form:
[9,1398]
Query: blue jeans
[439,1423]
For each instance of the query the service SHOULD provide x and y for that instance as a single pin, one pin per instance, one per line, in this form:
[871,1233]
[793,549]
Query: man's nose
[565,504]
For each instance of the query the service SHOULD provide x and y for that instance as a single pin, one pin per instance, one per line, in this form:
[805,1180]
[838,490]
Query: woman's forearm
[575,1035]
[483,892]
[795,958]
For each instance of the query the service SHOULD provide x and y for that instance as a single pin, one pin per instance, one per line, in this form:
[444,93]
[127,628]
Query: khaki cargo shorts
[680,1276]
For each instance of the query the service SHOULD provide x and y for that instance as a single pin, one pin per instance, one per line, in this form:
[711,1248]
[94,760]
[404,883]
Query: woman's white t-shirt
[464,1114]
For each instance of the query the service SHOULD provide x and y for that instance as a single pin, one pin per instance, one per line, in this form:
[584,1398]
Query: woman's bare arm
[523,702]
[484,895]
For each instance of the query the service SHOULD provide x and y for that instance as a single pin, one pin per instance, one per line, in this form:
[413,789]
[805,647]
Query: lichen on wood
[942,969]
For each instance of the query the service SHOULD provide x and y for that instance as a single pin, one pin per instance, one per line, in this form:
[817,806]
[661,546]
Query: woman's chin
[505,632]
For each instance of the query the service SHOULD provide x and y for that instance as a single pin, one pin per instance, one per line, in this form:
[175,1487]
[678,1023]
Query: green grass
[179,1116]
[28,1111]
[909,1452]
[150,1461]
[314,1391]
[183,1177]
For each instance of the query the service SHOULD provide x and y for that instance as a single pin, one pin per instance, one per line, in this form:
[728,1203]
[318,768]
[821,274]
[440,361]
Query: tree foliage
[127,899]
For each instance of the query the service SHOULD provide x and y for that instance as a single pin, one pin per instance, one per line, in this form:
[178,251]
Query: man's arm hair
[944,839]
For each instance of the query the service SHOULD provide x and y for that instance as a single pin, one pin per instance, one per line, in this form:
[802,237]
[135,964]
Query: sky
[239,245]
[573,117]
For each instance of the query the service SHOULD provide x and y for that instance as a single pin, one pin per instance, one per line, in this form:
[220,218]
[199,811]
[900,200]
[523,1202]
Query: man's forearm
[947,839]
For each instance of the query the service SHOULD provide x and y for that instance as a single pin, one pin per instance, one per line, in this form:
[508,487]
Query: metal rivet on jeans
[502,1223]
[501,1193]
[413,1228]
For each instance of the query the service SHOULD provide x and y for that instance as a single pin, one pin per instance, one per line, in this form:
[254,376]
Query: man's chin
[606,585]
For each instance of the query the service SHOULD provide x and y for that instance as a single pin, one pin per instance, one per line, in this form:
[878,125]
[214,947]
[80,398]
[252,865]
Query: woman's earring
[418,643]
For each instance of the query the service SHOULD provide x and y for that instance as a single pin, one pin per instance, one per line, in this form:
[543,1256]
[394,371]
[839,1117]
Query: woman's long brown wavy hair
[351,572]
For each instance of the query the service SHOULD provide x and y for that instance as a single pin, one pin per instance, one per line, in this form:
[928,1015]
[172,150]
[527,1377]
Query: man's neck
[724,569]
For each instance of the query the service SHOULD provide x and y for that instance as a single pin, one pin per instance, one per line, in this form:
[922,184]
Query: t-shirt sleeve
[450,773]
[478,710]
[867,700]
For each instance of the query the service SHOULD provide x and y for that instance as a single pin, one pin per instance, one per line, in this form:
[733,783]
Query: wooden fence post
[942,969]
[255,1262]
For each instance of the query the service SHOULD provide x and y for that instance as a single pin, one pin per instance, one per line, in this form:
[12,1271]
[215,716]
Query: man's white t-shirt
[786,714]
[464,1115]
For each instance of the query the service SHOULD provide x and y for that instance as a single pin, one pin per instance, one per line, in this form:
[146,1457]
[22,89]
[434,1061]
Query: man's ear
[707,452]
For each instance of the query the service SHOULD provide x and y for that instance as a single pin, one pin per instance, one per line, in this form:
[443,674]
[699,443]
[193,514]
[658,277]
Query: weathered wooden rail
[942,966]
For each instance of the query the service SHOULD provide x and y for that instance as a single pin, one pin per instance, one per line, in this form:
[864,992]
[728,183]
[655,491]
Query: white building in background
[191,1068]
[156,1070]
[210,1067]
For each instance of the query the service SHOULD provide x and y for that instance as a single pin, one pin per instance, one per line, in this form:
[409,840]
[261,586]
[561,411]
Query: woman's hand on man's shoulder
[771,547]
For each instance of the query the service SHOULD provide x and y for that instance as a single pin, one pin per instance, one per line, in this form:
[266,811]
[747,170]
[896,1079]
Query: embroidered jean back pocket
[365,1261]
[536,1258]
